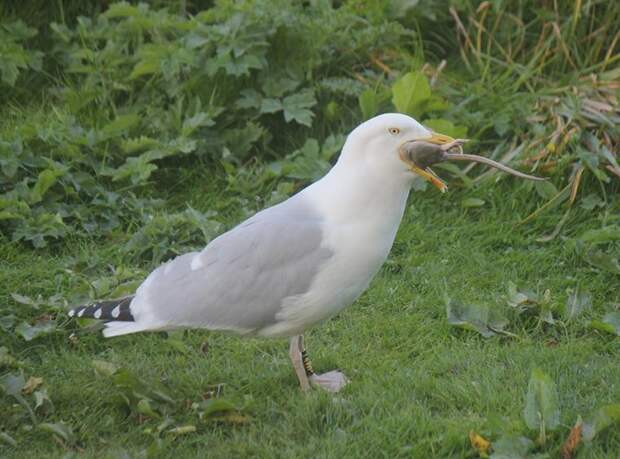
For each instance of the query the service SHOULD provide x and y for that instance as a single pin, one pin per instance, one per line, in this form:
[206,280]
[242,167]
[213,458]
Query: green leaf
[7,439]
[138,169]
[122,10]
[126,380]
[271,106]
[200,119]
[541,410]
[273,87]
[332,145]
[472,202]
[138,144]
[22,299]
[332,111]
[369,103]
[602,235]
[41,399]
[482,319]
[46,179]
[546,190]
[7,321]
[592,162]
[439,104]
[609,324]
[240,141]
[144,67]
[577,303]
[30,332]
[6,359]
[602,260]
[410,92]
[36,229]
[9,71]
[59,429]
[591,202]
[304,164]
[445,127]
[603,418]
[501,123]
[177,344]
[12,384]
[120,125]
[297,107]
[216,405]
[144,407]
[250,98]
[512,447]
[105,368]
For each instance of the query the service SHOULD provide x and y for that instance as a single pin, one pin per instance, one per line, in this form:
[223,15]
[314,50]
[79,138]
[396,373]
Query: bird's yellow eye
[394,131]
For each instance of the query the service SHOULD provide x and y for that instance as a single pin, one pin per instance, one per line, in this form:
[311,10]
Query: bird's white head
[377,145]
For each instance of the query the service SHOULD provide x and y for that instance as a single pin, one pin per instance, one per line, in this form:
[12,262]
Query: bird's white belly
[340,281]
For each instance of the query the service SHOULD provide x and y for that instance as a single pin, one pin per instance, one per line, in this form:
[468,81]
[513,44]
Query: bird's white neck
[352,195]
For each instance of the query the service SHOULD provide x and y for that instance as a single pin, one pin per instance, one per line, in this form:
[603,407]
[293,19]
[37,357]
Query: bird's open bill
[421,154]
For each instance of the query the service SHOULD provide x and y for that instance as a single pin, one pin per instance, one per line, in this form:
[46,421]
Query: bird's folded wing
[239,281]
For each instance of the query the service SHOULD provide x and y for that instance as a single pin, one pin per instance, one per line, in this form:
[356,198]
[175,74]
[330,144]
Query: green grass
[539,79]
[418,385]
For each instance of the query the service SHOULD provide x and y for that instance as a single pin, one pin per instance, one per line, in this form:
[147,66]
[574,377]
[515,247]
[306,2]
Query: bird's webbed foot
[332,381]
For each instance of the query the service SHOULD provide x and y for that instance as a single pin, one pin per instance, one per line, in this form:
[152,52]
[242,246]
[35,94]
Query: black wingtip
[106,310]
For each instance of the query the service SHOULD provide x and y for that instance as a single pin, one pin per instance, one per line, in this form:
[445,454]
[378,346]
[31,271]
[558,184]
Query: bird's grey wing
[239,281]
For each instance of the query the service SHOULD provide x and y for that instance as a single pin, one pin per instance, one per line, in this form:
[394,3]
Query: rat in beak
[420,155]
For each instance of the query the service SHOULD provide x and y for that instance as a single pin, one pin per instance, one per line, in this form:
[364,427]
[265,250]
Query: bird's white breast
[360,232]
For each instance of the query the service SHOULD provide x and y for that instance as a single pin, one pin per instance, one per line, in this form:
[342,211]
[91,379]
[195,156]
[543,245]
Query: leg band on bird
[307,364]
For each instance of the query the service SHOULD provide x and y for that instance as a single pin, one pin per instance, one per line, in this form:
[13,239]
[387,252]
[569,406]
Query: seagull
[296,264]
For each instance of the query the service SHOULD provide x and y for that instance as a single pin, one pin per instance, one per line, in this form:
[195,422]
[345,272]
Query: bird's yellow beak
[428,174]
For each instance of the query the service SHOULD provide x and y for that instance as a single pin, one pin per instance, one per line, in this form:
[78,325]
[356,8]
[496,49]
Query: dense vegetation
[132,132]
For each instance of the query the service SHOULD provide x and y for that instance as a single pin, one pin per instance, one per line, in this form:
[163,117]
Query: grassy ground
[88,133]
[418,385]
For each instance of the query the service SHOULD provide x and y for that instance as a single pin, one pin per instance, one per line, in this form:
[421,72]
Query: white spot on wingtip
[197,262]
[116,312]
[97,313]
[81,313]
[72,313]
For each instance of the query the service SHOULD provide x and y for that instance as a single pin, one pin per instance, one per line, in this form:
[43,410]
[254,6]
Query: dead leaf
[32,383]
[479,443]
[572,441]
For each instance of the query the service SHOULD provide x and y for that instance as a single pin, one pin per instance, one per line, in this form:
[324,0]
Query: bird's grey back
[242,277]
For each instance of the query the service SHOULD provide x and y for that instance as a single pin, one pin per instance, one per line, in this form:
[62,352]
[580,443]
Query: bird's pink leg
[295,350]
[332,381]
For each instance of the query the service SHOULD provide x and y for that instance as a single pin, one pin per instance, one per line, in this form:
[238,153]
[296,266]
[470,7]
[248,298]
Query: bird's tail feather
[115,310]
[122,328]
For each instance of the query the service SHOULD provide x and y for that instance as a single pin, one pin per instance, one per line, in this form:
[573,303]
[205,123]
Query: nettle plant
[15,58]
[139,90]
